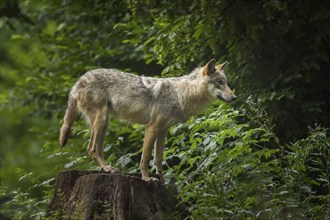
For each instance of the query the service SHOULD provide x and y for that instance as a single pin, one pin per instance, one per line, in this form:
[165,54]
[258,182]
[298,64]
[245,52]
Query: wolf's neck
[193,95]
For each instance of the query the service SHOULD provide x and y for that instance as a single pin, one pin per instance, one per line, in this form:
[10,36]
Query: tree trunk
[99,195]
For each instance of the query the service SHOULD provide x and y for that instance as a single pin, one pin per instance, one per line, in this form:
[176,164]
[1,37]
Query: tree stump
[100,195]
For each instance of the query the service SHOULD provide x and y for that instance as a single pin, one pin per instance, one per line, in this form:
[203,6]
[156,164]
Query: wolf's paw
[161,178]
[151,179]
[109,169]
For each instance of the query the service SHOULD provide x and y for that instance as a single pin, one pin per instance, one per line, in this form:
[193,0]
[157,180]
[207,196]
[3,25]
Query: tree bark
[100,195]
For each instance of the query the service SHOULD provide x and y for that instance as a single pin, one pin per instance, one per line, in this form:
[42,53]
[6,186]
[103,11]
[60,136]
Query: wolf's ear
[222,66]
[209,68]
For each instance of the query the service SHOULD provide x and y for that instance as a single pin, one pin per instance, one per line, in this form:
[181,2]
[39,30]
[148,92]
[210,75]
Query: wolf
[156,103]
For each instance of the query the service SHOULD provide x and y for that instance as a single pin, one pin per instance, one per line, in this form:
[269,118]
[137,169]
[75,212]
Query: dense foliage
[265,157]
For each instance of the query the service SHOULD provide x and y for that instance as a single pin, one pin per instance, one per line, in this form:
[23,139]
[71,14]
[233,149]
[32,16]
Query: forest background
[266,156]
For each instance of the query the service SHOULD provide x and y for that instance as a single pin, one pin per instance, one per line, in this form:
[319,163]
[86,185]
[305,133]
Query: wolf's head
[217,81]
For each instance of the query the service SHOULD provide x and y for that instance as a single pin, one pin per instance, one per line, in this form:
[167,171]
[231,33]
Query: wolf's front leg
[149,140]
[159,149]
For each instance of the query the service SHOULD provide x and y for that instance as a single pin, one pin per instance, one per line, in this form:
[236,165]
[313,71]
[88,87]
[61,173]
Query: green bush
[229,170]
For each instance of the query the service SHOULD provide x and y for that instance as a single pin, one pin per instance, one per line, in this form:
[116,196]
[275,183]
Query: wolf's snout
[231,98]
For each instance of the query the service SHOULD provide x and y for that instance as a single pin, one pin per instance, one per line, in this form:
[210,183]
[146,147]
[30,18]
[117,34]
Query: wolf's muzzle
[232,98]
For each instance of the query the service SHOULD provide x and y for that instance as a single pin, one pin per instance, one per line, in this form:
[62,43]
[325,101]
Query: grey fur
[157,103]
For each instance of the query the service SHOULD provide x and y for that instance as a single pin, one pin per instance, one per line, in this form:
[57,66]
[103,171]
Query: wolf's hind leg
[99,123]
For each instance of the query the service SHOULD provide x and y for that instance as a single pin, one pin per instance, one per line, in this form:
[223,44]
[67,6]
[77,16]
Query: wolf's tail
[69,117]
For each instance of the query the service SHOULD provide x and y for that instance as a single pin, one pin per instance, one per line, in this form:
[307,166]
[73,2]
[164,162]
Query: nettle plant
[222,166]
[231,169]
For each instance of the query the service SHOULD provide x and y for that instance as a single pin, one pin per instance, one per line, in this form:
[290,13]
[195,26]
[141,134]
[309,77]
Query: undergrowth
[226,165]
